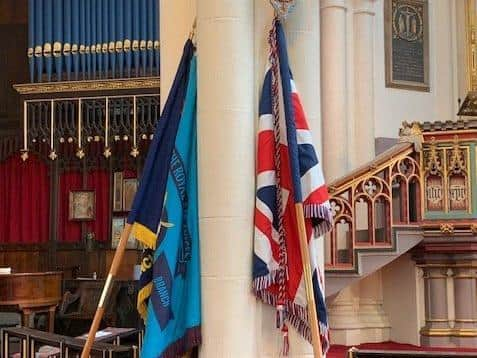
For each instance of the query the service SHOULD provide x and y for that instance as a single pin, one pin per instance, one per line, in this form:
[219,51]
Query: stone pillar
[177,18]
[465,294]
[363,41]
[437,319]
[333,88]
[226,143]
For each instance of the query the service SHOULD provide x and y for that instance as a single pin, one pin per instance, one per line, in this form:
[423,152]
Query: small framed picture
[129,191]
[82,205]
[117,227]
[118,191]
[116,230]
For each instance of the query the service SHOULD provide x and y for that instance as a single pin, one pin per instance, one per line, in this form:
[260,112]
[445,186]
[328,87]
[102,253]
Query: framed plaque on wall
[406,41]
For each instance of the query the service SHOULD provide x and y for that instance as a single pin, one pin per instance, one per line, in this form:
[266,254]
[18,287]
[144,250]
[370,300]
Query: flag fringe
[191,338]
[142,296]
[263,282]
[321,217]
[296,314]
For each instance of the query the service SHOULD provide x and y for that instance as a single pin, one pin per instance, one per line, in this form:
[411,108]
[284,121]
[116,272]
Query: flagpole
[310,297]
[118,257]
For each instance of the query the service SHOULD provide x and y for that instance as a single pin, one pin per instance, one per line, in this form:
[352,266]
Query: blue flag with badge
[164,218]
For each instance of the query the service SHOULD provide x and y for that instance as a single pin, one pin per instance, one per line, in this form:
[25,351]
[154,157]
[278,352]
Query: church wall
[402,287]
[446,72]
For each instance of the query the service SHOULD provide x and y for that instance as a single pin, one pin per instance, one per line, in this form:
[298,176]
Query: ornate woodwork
[31,293]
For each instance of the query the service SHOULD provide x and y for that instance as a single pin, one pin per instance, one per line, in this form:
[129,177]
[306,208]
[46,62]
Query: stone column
[226,142]
[437,321]
[465,306]
[177,18]
[333,87]
[363,41]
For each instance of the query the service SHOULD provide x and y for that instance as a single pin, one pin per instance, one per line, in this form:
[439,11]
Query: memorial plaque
[407,45]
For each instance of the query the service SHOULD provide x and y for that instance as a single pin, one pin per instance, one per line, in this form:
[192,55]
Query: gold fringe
[142,296]
[145,235]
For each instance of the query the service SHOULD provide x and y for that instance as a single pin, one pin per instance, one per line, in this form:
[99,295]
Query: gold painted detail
[30,52]
[434,161]
[74,49]
[411,133]
[456,162]
[473,229]
[81,86]
[449,332]
[447,229]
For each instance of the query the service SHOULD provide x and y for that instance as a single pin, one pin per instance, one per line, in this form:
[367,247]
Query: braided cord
[282,273]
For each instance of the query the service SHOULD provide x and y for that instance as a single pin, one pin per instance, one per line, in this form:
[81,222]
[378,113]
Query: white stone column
[177,18]
[363,41]
[226,139]
[333,88]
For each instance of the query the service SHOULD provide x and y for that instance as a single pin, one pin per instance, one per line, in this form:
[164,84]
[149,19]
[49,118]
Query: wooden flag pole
[310,297]
[118,257]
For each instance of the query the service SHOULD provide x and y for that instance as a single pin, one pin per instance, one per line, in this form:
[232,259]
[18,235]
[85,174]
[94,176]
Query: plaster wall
[402,297]
[447,63]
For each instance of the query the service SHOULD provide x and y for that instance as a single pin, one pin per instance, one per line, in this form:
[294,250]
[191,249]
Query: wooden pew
[31,340]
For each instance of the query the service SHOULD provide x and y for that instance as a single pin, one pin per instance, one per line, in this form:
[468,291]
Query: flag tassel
[286,342]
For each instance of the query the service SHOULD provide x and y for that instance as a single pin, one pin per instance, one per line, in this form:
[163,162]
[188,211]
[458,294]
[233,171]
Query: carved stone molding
[83,86]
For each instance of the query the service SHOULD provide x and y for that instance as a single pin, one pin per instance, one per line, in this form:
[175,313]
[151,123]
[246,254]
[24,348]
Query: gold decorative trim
[447,229]
[448,332]
[82,86]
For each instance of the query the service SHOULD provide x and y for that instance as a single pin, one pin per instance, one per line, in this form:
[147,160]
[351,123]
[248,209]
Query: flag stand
[310,298]
[118,257]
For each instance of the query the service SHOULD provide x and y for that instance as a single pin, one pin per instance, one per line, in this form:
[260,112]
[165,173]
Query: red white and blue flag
[288,172]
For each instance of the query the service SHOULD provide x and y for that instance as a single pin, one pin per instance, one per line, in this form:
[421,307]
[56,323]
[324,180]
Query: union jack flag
[288,172]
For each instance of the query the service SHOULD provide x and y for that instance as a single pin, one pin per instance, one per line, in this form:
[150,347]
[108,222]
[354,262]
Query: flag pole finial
[282,7]
[192,32]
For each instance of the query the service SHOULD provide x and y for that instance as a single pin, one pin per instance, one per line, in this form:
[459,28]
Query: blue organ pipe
[143,41]
[112,37]
[39,40]
[136,35]
[57,23]
[120,35]
[82,36]
[150,36]
[88,37]
[67,30]
[75,36]
[128,35]
[105,25]
[156,23]
[99,38]
[31,39]
[48,34]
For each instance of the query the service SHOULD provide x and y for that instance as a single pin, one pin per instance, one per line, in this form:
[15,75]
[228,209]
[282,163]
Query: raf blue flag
[165,219]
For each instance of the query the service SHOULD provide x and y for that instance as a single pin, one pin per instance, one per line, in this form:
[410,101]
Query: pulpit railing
[369,203]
